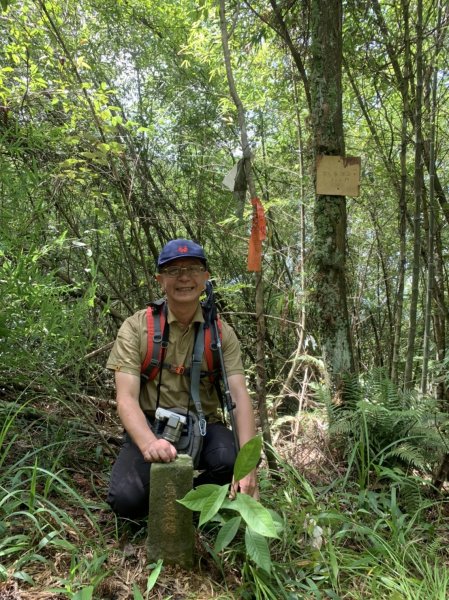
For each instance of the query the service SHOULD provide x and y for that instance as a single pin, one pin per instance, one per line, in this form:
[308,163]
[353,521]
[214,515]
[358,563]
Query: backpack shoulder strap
[195,374]
[211,350]
[157,328]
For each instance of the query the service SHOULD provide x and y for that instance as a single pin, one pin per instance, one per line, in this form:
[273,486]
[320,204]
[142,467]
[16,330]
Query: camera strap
[195,375]
[164,345]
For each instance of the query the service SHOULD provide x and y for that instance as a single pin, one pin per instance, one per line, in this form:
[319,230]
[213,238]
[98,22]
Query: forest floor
[119,561]
[59,540]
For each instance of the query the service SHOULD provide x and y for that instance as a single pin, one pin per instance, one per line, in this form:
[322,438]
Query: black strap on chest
[154,361]
[195,375]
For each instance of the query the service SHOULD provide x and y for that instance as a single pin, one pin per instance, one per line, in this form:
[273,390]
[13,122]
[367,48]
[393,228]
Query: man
[182,275]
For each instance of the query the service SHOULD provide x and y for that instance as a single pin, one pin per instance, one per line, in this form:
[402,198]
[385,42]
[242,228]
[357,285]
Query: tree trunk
[419,185]
[439,322]
[430,239]
[399,300]
[431,281]
[329,247]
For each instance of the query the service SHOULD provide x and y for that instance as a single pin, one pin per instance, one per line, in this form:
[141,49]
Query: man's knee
[128,503]
[222,458]
[129,485]
[219,449]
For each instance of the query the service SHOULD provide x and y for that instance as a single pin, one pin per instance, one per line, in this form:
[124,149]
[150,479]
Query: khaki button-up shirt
[130,348]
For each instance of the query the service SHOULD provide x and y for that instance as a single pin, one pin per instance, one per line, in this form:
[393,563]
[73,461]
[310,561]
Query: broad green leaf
[213,504]
[137,594]
[152,577]
[333,560]
[247,458]
[23,576]
[85,594]
[254,514]
[227,533]
[257,549]
[61,543]
[104,147]
[333,596]
[277,520]
[46,539]
[4,4]
[195,499]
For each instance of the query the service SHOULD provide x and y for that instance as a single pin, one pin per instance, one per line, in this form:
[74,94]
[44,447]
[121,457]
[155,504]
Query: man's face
[184,286]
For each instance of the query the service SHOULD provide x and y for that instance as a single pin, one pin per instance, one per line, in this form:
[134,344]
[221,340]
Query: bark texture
[329,248]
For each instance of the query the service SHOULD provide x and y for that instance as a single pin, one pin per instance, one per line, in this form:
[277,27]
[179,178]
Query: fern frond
[396,429]
[407,454]
[410,495]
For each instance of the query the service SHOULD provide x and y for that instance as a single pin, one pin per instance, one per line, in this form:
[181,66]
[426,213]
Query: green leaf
[61,543]
[23,576]
[152,578]
[333,560]
[213,504]
[227,533]
[4,4]
[85,594]
[333,596]
[195,499]
[255,515]
[277,520]
[247,458]
[46,539]
[257,549]
[137,594]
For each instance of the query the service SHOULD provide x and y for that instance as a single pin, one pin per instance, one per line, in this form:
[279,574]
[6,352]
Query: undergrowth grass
[340,540]
[43,518]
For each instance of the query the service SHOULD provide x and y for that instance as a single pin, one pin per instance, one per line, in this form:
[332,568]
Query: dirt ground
[300,442]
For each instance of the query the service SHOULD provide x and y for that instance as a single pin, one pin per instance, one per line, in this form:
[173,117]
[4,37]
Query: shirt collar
[197,317]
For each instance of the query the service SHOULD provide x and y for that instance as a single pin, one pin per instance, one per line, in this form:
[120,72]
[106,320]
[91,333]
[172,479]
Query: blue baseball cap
[180,248]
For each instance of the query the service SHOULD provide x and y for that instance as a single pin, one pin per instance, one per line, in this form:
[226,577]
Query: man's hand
[247,485]
[159,450]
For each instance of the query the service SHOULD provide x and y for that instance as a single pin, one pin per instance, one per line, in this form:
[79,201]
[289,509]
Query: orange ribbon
[258,234]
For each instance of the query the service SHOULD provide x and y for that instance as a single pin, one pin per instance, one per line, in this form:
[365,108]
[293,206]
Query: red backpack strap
[156,320]
[211,351]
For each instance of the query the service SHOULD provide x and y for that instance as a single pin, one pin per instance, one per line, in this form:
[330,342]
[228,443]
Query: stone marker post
[170,525]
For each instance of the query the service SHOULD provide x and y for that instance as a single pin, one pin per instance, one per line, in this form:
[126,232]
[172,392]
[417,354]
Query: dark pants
[130,479]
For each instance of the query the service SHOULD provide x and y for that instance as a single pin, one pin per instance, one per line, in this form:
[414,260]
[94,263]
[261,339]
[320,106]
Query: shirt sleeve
[231,351]
[125,355]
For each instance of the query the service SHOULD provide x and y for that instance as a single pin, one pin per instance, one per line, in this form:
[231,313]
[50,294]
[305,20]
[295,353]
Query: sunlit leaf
[227,533]
[213,504]
[153,577]
[195,499]
[247,458]
[23,576]
[254,514]
[257,549]
[84,594]
[137,594]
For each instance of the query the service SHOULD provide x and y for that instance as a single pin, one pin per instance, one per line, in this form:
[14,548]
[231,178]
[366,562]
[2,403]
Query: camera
[169,424]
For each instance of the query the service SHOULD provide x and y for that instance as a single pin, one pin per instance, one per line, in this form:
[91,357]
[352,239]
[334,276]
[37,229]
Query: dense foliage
[116,130]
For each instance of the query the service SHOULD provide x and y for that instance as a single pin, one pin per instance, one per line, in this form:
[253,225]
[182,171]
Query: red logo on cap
[183,249]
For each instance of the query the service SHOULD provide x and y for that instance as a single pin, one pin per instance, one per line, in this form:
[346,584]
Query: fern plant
[380,428]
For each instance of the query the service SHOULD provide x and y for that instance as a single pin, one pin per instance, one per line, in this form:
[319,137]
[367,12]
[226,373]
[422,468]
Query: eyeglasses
[189,270]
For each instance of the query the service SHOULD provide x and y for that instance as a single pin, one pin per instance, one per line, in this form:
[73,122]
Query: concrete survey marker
[170,525]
